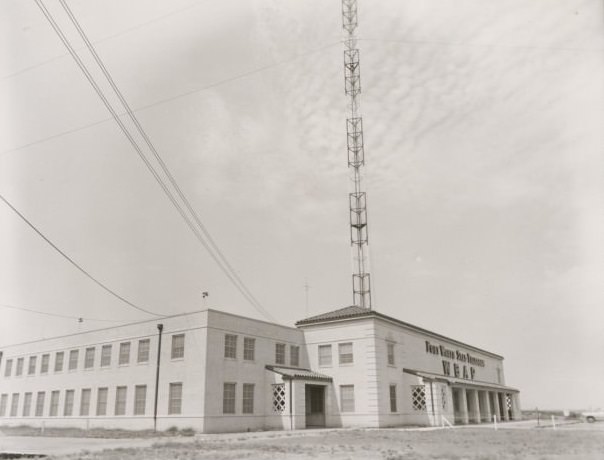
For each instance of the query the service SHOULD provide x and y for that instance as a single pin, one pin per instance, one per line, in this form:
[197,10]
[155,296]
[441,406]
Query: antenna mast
[359,239]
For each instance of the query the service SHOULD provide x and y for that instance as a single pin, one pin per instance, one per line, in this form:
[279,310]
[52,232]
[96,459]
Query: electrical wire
[74,263]
[226,269]
[181,195]
[57,315]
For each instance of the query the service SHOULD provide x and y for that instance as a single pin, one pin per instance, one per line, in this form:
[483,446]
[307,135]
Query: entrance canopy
[294,373]
[455,381]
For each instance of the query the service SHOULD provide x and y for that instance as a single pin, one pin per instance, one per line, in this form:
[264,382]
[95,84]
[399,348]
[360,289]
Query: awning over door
[295,373]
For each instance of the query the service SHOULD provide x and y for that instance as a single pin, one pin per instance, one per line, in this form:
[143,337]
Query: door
[315,406]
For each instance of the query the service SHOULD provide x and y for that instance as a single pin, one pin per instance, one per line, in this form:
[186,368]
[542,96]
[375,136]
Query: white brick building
[222,372]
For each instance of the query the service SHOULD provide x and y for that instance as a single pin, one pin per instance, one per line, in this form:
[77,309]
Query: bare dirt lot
[470,444]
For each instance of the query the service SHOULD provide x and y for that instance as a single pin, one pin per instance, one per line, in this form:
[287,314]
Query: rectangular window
[14,405]
[178,346]
[120,400]
[101,401]
[140,399]
[345,353]
[143,351]
[68,405]
[347,398]
[175,398]
[85,401]
[390,354]
[248,398]
[40,397]
[19,366]
[106,355]
[280,353]
[230,346]
[124,353]
[324,355]
[8,367]
[294,355]
[228,398]
[89,358]
[249,348]
[31,367]
[54,403]
[45,363]
[27,404]
[392,398]
[3,403]
[73,360]
[59,361]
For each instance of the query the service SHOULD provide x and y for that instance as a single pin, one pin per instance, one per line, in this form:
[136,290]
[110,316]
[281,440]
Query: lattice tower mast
[361,284]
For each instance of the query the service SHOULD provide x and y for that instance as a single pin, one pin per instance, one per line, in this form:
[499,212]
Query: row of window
[249,350]
[229,398]
[345,354]
[102,396]
[142,356]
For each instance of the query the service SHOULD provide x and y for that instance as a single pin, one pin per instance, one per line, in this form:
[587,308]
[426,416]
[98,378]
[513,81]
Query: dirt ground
[455,444]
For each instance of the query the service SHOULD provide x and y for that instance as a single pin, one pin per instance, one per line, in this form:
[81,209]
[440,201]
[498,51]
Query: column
[473,406]
[516,412]
[505,415]
[485,406]
[495,401]
[463,406]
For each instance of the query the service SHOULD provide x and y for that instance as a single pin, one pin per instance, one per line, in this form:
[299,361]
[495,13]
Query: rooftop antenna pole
[361,285]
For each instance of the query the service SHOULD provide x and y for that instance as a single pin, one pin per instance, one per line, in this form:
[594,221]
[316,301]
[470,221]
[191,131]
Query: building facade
[218,372]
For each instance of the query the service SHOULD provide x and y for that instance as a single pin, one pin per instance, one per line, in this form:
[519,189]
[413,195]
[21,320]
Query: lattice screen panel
[418,397]
[279,398]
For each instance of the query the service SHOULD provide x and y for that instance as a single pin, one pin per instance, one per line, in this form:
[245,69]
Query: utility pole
[306,288]
[359,238]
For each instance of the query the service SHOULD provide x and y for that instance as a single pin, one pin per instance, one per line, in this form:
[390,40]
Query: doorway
[315,406]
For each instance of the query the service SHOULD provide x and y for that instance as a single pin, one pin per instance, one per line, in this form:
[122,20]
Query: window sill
[177,359]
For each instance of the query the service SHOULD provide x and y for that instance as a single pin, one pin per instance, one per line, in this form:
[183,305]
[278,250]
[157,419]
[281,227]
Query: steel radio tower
[359,239]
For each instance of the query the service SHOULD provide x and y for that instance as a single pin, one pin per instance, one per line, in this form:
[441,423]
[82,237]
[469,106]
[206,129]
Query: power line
[57,315]
[74,263]
[178,96]
[225,267]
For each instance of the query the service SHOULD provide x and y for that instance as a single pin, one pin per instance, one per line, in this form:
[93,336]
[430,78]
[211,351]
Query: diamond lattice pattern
[279,398]
[418,397]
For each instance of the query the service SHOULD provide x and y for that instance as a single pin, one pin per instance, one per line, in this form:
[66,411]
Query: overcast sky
[484,148]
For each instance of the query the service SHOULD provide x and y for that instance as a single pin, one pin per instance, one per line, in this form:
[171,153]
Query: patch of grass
[55,432]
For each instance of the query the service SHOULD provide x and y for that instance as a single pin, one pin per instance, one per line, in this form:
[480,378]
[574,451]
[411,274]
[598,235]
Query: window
[280,353]
[8,367]
[19,366]
[230,346]
[89,358]
[178,346]
[59,361]
[175,398]
[54,403]
[101,401]
[120,400]
[228,398]
[14,405]
[73,360]
[27,404]
[31,367]
[85,401]
[106,355]
[278,398]
[249,348]
[294,355]
[68,405]
[248,398]
[418,397]
[40,403]
[345,352]
[324,355]
[390,354]
[124,353]
[392,398]
[347,398]
[140,399]
[3,402]
[143,351]
[45,363]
